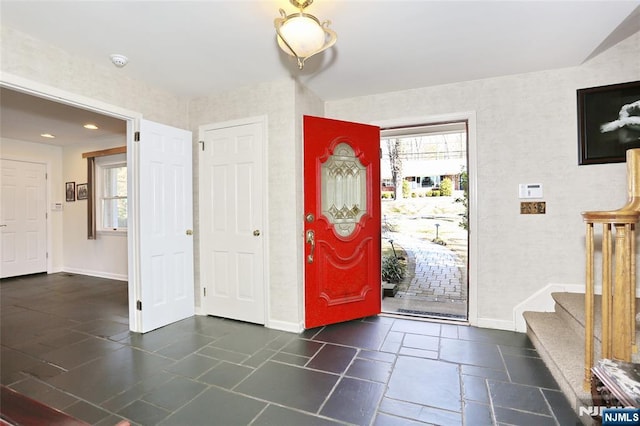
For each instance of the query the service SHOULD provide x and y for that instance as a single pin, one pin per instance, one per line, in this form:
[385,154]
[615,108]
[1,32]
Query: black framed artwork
[608,122]
[82,191]
[70,188]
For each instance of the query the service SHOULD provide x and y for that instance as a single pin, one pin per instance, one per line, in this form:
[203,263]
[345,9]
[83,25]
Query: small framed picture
[608,122]
[70,188]
[82,191]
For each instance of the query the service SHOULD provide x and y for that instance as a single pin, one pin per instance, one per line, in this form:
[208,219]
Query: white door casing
[165,225]
[23,220]
[232,219]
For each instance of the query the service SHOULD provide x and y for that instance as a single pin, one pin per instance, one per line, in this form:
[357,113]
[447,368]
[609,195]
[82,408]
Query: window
[111,193]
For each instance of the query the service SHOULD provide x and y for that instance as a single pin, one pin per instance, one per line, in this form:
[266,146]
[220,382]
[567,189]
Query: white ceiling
[205,47]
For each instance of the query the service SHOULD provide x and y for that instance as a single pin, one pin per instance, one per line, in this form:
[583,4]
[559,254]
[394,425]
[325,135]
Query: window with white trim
[111,193]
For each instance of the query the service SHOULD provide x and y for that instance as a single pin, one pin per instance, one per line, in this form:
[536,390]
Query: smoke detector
[119,60]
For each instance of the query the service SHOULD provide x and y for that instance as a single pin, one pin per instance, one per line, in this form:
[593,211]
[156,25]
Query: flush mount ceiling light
[47,135]
[90,126]
[302,35]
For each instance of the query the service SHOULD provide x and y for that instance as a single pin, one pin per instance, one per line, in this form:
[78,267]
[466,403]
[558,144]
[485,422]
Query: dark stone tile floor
[65,342]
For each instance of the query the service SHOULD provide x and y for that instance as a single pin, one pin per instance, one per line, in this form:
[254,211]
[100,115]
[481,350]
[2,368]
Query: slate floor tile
[280,383]
[143,413]
[427,382]
[175,393]
[367,369]
[529,371]
[520,397]
[332,358]
[274,415]
[216,406]
[226,375]
[515,417]
[471,352]
[353,401]
[382,371]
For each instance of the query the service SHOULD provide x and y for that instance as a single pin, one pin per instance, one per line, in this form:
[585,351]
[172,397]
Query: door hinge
[139,305]
[46,255]
[46,176]
[201,144]
[46,215]
[380,153]
[205,291]
[136,137]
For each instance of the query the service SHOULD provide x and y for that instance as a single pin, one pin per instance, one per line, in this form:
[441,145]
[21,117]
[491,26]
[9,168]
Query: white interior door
[166,223]
[232,235]
[23,220]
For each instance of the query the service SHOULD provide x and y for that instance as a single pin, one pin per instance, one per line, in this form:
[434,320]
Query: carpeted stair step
[570,307]
[562,350]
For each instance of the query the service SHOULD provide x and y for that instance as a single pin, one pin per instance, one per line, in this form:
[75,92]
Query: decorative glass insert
[344,190]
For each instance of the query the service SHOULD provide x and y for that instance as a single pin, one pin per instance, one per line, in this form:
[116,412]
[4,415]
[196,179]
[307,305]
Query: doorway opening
[424,205]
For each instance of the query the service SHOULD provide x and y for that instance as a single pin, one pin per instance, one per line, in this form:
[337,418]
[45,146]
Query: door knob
[189,232]
[256,233]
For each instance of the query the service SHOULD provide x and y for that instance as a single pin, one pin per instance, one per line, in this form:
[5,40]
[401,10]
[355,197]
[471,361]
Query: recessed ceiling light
[47,135]
[90,126]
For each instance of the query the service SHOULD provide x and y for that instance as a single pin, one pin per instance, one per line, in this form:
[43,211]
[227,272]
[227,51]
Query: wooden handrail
[618,274]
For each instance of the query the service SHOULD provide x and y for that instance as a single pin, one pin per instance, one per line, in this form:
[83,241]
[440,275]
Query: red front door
[342,221]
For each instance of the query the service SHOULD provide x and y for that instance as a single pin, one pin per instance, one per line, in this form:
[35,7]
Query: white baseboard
[541,301]
[99,274]
[495,323]
[291,327]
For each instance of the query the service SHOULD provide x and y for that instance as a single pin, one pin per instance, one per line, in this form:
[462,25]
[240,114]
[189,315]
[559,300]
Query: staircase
[559,337]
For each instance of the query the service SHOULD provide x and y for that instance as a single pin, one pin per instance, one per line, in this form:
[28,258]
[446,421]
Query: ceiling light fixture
[47,135]
[90,126]
[302,35]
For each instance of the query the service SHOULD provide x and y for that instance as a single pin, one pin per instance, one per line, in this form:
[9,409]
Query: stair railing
[618,275]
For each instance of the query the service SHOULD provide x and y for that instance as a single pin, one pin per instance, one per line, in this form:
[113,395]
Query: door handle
[2,226]
[189,232]
[256,233]
[311,240]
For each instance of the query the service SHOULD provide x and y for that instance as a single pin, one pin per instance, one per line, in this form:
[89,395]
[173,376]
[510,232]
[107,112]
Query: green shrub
[433,193]
[406,189]
[414,195]
[446,187]
[393,271]
[386,195]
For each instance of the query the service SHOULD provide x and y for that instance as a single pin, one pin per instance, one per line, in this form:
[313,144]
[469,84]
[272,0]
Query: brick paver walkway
[438,272]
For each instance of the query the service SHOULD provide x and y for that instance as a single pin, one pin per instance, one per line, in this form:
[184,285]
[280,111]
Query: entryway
[425,220]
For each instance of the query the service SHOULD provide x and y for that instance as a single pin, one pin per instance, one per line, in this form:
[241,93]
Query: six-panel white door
[232,232]
[23,222]
[166,224]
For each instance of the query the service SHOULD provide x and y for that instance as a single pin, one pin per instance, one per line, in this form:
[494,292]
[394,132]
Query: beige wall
[37,61]
[526,133]
[283,103]
[106,256]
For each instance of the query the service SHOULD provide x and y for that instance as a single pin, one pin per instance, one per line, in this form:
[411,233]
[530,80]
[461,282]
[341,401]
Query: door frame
[261,120]
[472,159]
[132,118]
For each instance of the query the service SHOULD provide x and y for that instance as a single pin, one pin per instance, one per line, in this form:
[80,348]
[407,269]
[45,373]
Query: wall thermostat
[530,190]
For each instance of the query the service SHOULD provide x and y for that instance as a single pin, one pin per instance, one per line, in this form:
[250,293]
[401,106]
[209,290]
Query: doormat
[431,314]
